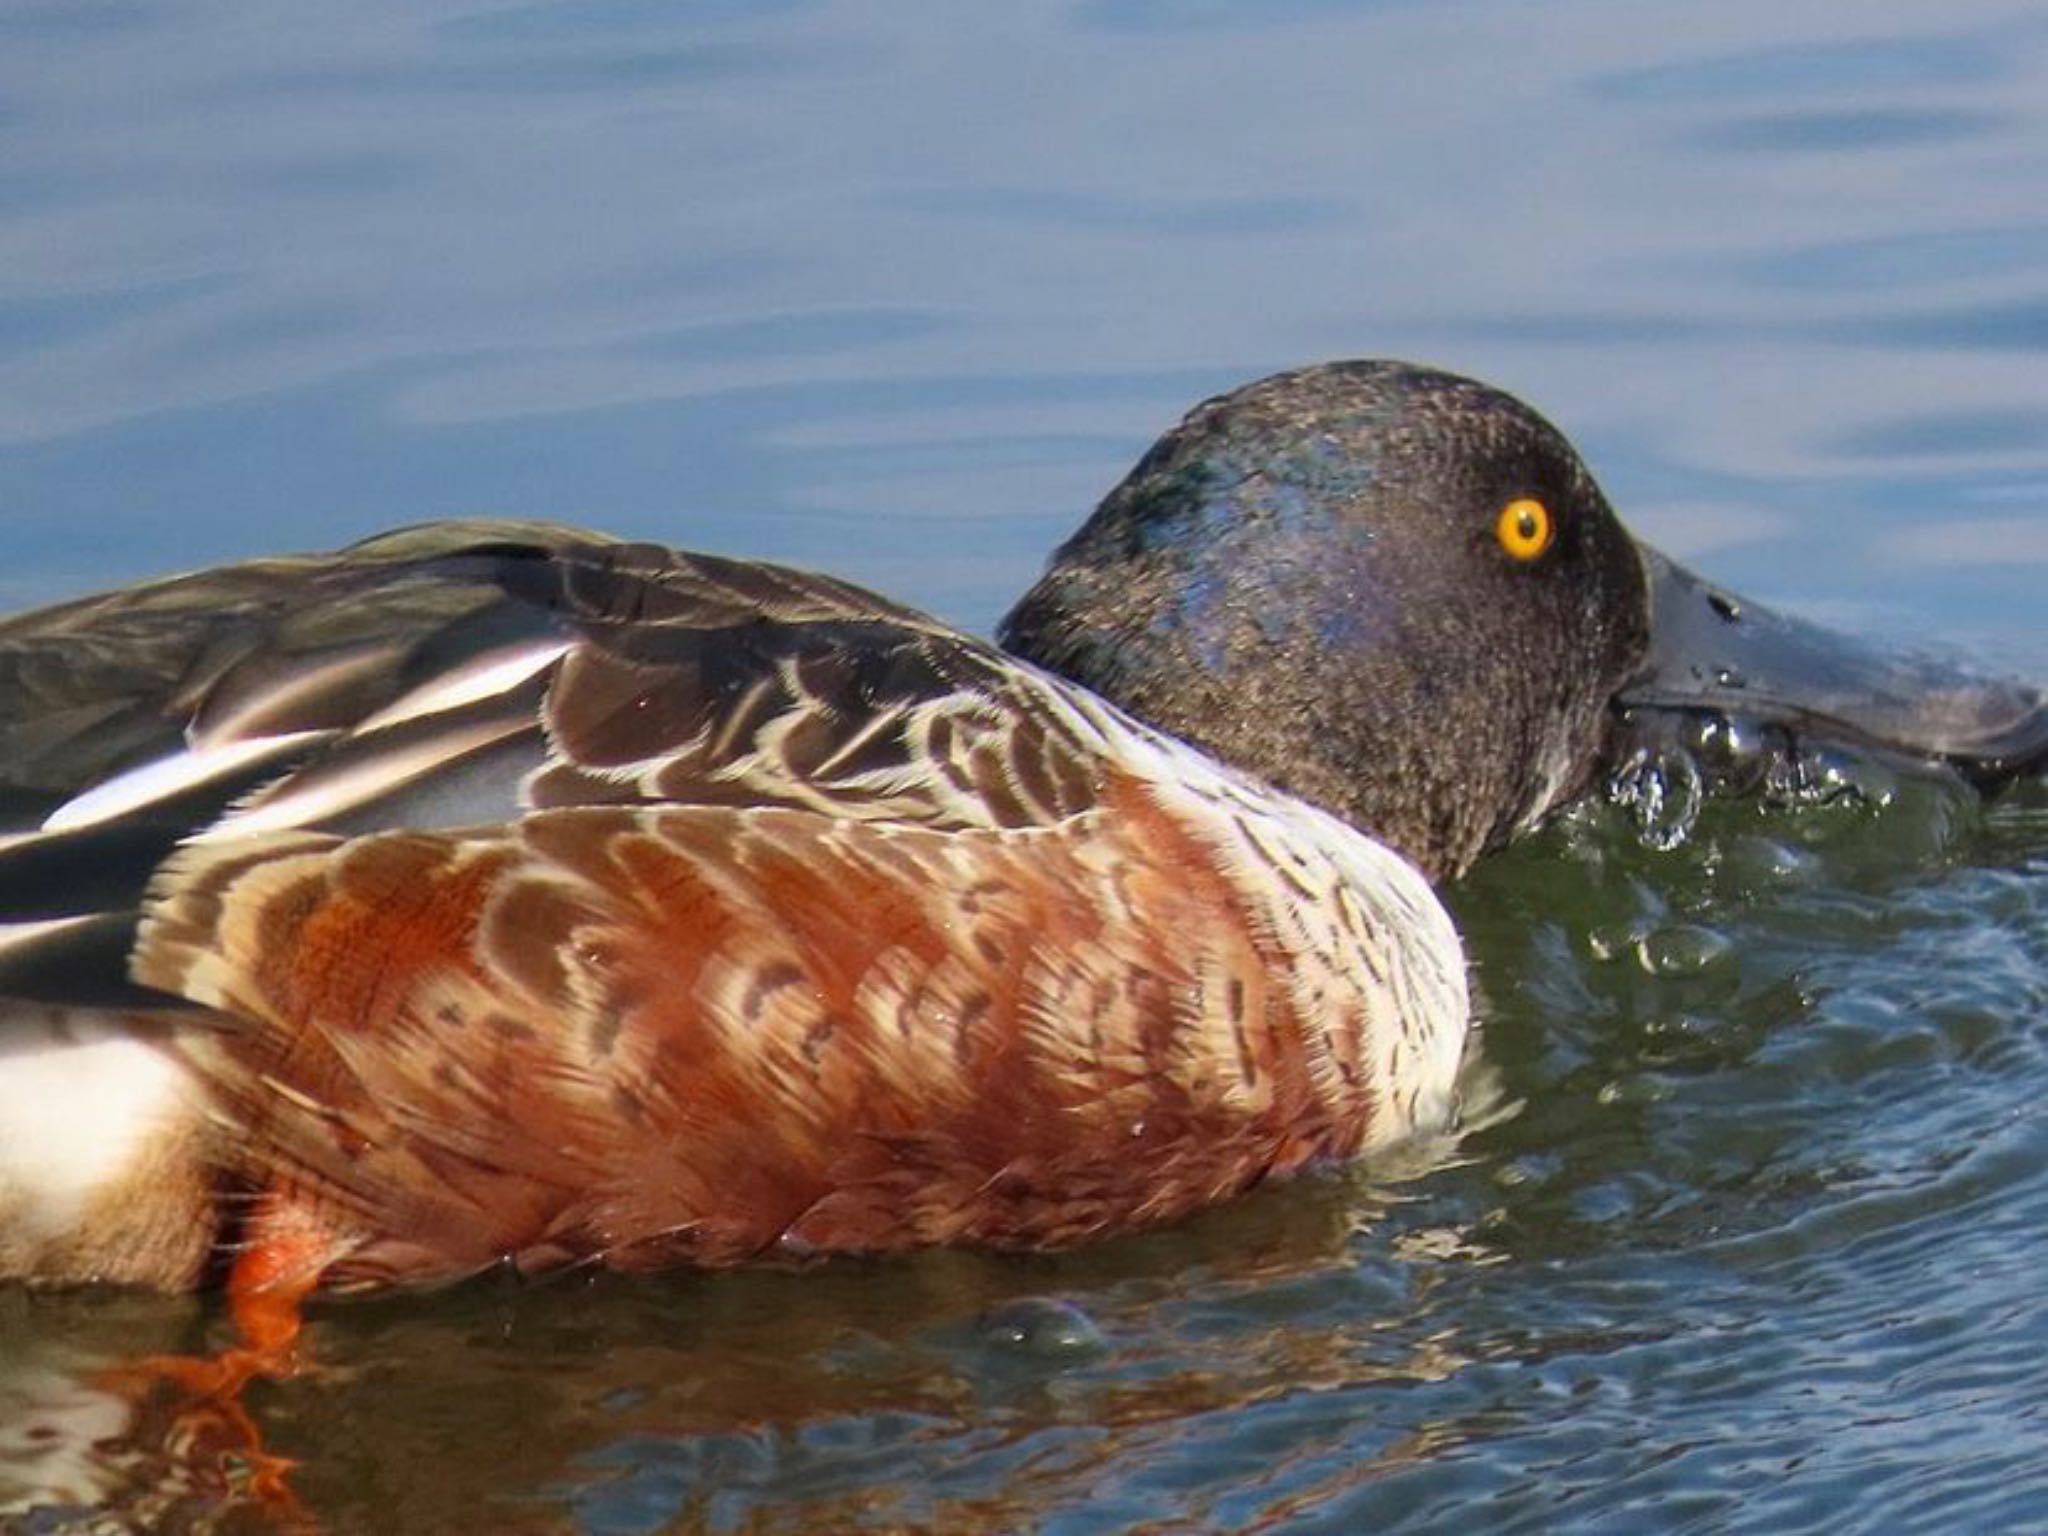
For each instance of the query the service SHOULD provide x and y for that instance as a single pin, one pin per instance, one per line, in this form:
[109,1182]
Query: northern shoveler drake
[496,892]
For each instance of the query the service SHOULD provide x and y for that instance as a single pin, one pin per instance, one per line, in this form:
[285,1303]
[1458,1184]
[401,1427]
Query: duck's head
[1400,594]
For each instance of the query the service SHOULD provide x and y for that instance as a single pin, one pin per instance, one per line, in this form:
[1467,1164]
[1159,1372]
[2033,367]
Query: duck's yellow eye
[1524,528]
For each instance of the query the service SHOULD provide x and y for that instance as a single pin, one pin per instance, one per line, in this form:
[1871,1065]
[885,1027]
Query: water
[1753,1239]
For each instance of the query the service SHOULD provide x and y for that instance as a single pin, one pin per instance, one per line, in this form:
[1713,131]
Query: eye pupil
[1525,525]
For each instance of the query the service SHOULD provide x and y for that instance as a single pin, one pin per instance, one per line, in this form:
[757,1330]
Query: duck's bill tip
[1767,687]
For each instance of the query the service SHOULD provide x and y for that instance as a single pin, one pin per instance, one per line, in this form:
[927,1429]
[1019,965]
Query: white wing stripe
[167,776]
[305,802]
[482,677]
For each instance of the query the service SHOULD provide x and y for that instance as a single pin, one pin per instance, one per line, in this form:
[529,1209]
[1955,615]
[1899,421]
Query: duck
[502,894]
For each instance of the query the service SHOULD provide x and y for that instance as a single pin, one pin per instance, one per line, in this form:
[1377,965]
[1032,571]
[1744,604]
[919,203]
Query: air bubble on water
[1682,950]
[1043,1328]
[1809,778]
[1661,792]
[1758,861]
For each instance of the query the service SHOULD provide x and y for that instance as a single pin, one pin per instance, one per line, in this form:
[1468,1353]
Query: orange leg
[286,1251]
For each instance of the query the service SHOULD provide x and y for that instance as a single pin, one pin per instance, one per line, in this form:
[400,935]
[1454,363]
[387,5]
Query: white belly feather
[83,1102]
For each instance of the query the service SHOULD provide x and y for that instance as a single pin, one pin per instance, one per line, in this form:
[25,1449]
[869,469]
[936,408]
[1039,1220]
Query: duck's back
[499,891]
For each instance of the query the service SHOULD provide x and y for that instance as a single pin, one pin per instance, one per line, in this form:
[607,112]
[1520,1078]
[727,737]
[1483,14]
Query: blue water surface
[1756,1239]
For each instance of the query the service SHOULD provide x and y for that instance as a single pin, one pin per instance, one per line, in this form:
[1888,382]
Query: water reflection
[1942,258]
[2006,325]
[1870,130]
[1877,65]
[1972,541]
[717,1397]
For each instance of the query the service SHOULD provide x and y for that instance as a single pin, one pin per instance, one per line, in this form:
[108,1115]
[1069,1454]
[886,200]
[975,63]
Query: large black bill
[1763,687]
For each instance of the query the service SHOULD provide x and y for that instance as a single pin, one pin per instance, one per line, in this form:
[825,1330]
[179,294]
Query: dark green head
[1394,592]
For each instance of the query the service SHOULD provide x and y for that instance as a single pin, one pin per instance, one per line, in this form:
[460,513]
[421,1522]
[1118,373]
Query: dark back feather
[463,674]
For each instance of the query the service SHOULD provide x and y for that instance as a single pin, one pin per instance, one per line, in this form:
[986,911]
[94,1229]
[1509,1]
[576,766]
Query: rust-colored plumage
[601,904]
[702,1035]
